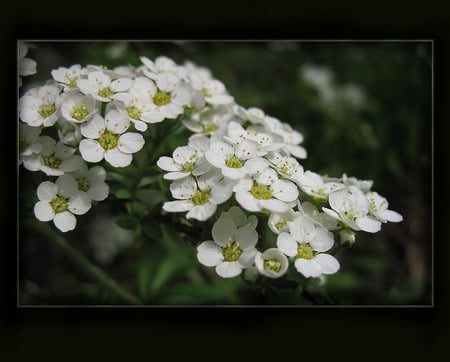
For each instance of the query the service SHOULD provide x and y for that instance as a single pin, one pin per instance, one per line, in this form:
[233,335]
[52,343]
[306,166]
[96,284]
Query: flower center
[80,112]
[108,140]
[73,83]
[305,251]
[272,264]
[52,161]
[105,92]
[83,184]
[261,192]
[206,92]
[209,127]
[200,197]
[46,110]
[234,162]
[280,224]
[134,112]
[188,167]
[232,251]
[161,98]
[59,204]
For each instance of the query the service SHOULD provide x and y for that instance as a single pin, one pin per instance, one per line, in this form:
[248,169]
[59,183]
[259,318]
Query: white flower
[69,77]
[363,185]
[28,137]
[308,244]
[168,98]
[69,133]
[54,159]
[91,181]
[78,108]
[279,221]
[239,218]
[102,87]
[210,121]
[59,202]
[313,184]
[185,161]
[106,138]
[136,102]
[266,191]
[40,106]
[236,162]
[161,65]
[351,207]
[26,66]
[232,250]
[200,198]
[288,135]
[286,166]
[319,218]
[272,263]
[379,208]
[251,116]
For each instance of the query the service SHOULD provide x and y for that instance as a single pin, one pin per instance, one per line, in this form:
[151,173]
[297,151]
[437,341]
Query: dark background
[412,333]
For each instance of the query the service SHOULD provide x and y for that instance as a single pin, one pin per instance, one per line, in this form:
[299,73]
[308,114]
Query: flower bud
[347,237]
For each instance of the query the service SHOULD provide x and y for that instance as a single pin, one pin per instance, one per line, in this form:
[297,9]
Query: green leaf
[137,210]
[167,268]
[152,231]
[127,222]
[123,194]
[151,197]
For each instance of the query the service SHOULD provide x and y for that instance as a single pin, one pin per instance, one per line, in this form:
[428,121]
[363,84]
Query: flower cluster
[239,162]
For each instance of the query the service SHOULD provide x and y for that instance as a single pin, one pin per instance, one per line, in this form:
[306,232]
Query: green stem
[84,264]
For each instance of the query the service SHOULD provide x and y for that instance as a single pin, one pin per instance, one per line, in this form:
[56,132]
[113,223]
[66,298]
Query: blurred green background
[364,108]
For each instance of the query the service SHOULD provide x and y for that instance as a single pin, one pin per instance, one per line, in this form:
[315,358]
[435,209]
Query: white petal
[228,269]
[233,173]
[328,263]
[368,224]
[168,164]
[223,231]
[323,240]
[183,189]
[98,192]
[247,201]
[67,185]
[247,257]
[274,205]
[43,211]
[65,221]
[390,215]
[72,164]
[297,151]
[91,150]
[246,236]
[96,175]
[27,66]
[117,158]
[256,165]
[116,122]
[79,204]
[176,175]
[246,149]
[46,191]
[284,190]
[131,142]
[221,192]
[121,84]
[209,253]
[287,244]
[177,206]
[202,212]
[309,268]
[94,127]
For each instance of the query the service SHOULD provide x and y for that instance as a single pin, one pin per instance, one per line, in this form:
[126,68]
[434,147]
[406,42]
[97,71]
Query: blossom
[236,162]
[272,263]
[40,106]
[231,250]
[199,197]
[185,161]
[102,87]
[106,138]
[351,207]
[69,77]
[379,208]
[266,191]
[308,243]
[210,121]
[239,218]
[319,218]
[78,108]
[313,184]
[69,133]
[60,202]
[286,166]
[54,158]
[279,221]
[26,66]
[28,137]
[91,181]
